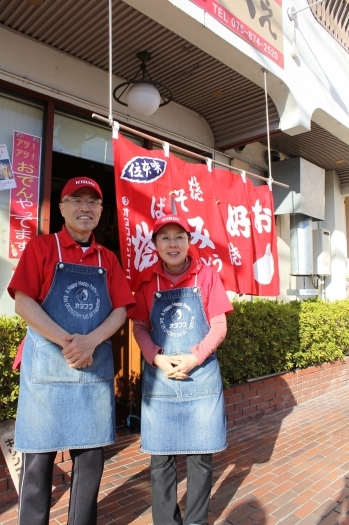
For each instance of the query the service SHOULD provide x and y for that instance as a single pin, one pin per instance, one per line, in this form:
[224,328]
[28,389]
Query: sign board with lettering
[258,22]
[12,457]
[24,199]
[231,221]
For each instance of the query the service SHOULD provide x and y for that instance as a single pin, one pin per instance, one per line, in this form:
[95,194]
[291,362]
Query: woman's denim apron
[60,407]
[182,416]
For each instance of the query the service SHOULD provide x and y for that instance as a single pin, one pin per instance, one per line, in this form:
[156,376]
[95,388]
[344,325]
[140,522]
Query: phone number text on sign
[243,30]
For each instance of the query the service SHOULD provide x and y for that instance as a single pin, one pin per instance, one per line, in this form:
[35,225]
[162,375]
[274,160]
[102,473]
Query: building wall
[313,81]
[335,221]
[346,205]
[283,231]
[336,218]
[308,87]
[35,66]
[49,72]
[6,265]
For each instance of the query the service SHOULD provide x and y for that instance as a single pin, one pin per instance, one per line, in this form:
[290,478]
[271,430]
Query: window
[87,140]
[26,117]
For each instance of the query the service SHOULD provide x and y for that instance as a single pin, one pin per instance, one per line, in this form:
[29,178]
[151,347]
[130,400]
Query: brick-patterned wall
[257,398]
[244,402]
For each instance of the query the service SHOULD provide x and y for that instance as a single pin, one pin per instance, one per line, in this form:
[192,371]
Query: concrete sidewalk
[290,467]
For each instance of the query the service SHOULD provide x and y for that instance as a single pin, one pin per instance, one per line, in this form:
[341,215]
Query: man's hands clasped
[78,350]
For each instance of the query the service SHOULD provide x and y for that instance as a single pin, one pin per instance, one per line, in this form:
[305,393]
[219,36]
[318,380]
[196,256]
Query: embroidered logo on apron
[177,319]
[82,300]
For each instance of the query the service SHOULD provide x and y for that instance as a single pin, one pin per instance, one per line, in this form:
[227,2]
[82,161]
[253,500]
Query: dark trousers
[35,486]
[164,489]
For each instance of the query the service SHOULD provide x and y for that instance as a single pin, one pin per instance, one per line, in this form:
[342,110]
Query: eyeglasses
[179,239]
[79,201]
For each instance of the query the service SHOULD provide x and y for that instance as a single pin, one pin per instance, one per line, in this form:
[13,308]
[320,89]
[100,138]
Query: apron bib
[182,416]
[59,407]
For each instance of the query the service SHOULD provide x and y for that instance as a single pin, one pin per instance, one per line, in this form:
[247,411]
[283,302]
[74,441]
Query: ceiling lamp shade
[143,98]
[141,95]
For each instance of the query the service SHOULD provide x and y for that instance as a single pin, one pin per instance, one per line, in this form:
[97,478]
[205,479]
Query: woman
[179,320]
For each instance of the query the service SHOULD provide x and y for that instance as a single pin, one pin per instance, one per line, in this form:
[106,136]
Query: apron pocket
[156,384]
[204,380]
[102,368]
[49,365]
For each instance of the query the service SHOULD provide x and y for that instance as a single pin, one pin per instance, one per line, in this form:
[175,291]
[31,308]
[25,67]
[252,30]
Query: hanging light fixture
[141,94]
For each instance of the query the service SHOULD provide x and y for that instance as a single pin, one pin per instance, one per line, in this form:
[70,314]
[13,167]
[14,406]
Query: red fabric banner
[24,199]
[266,279]
[231,221]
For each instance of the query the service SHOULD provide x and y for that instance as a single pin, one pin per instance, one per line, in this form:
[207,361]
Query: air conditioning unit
[321,252]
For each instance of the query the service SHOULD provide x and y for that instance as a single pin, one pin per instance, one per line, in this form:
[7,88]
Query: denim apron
[59,407]
[181,416]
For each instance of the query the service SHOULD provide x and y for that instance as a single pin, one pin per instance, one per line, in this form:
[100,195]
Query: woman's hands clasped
[176,366]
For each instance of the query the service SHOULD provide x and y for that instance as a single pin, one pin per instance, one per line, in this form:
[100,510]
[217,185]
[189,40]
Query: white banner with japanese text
[231,221]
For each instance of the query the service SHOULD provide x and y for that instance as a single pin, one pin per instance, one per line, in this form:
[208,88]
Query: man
[73,295]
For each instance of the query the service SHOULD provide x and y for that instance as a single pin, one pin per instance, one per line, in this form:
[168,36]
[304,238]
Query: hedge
[263,337]
[12,331]
[266,336]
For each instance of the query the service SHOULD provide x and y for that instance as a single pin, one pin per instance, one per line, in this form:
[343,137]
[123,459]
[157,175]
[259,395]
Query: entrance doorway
[126,368]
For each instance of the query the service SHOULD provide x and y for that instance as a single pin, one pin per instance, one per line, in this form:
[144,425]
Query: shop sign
[231,221]
[12,457]
[24,199]
[258,22]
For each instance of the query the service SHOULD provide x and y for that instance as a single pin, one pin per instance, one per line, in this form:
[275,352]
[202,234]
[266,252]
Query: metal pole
[292,13]
[110,63]
[267,119]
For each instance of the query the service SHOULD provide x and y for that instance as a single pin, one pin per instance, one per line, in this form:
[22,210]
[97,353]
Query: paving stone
[287,468]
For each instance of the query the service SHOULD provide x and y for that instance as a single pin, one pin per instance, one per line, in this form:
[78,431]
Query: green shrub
[266,336]
[324,332]
[12,331]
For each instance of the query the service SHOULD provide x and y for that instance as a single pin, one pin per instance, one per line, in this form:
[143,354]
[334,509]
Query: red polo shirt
[214,297]
[36,267]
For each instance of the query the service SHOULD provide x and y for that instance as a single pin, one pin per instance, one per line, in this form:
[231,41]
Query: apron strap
[60,253]
[59,248]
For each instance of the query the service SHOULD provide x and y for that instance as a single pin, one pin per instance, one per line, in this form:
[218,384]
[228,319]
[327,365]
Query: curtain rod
[185,151]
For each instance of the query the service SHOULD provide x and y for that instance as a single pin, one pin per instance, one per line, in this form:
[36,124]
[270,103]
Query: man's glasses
[79,201]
